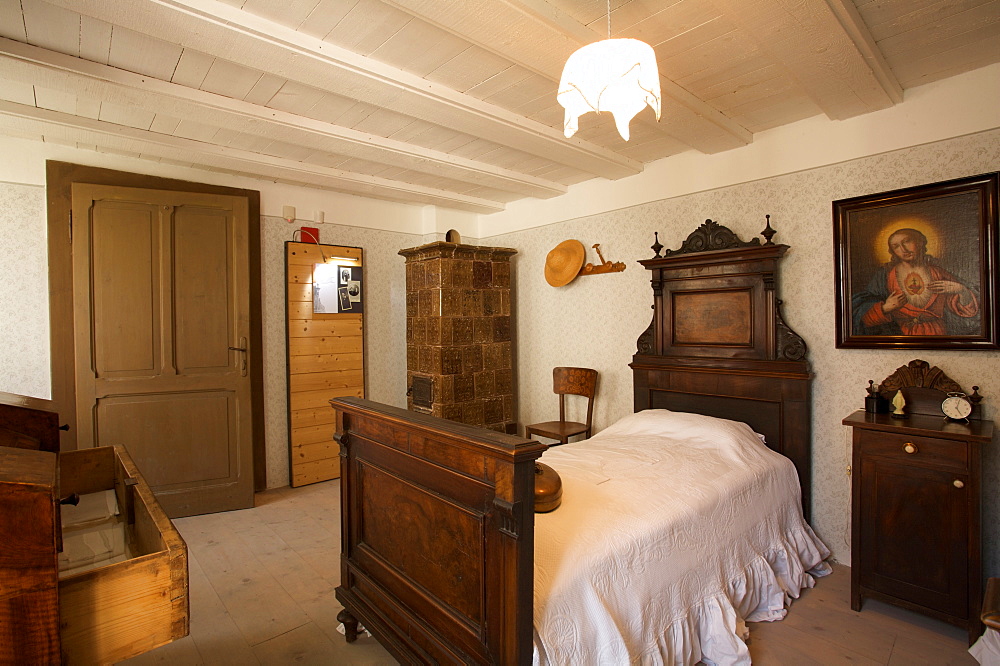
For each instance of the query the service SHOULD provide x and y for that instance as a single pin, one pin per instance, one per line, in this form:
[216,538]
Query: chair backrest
[575,381]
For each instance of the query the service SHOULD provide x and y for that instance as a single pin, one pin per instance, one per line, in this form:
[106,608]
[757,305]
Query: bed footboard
[437,534]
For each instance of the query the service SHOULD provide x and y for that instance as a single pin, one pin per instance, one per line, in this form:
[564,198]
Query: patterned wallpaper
[385,323]
[595,320]
[24,292]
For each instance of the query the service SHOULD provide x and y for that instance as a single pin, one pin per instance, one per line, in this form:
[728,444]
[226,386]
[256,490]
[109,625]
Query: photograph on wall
[337,288]
[350,281]
[916,268]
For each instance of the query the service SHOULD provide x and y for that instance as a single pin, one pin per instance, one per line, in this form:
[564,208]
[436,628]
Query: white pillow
[679,424]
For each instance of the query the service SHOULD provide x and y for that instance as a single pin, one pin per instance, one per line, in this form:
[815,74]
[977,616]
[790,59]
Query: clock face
[956,407]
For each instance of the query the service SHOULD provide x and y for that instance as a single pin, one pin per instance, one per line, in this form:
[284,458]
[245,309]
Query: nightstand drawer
[922,450]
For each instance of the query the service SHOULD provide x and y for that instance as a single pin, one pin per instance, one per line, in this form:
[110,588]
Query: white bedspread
[674,529]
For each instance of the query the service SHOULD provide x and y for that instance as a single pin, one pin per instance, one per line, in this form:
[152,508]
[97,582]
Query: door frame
[59,179]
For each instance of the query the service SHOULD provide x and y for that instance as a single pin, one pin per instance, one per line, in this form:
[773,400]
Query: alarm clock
[956,406]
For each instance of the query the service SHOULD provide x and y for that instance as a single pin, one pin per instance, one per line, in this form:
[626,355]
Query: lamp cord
[313,236]
[609,19]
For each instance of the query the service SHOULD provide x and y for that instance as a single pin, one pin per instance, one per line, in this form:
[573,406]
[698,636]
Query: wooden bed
[437,519]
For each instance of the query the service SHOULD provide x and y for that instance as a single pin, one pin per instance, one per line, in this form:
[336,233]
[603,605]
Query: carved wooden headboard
[717,343]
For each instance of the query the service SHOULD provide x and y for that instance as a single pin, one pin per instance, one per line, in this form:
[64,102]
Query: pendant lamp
[614,75]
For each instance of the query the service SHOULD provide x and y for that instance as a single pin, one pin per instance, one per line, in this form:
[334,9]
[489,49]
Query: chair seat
[561,430]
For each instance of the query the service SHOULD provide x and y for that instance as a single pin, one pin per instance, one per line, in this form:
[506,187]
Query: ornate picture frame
[916,268]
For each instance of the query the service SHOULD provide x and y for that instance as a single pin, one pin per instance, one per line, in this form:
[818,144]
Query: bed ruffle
[713,630]
[674,530]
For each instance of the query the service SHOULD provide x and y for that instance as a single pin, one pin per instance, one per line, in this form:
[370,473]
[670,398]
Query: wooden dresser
[102,612]
[29,577]
[915,522]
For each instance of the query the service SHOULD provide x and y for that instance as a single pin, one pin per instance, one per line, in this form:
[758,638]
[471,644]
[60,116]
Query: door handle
[243,361]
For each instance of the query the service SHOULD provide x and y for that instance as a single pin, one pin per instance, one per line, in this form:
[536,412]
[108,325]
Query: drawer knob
[909,448]
[958,483]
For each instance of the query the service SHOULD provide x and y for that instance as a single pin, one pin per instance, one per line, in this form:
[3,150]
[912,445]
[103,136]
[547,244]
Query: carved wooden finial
[657,245]
[768,232]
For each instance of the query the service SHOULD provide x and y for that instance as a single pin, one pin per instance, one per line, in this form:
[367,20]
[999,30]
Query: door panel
[165,430]
[161,323]
[203,272]
[125,242]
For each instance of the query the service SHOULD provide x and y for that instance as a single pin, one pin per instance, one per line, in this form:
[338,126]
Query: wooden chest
[102,615]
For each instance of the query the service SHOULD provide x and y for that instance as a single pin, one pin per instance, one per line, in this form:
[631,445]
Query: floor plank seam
[277,636]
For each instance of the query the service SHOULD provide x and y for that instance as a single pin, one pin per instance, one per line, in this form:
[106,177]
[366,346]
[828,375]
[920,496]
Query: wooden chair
[568,381]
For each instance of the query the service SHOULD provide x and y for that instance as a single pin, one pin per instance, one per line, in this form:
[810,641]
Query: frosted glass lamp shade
[614,75]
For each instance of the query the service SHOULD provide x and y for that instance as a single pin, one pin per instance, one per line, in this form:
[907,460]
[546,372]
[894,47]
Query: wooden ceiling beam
[539,37]
[856,28]
[48,69]
[224,31]
[826,46]
[22,119]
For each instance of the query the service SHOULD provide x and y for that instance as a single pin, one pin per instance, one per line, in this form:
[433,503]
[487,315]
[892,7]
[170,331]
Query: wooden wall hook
[604,267]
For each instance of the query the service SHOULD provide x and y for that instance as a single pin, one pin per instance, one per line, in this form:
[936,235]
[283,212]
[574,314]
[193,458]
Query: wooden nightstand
[915,522]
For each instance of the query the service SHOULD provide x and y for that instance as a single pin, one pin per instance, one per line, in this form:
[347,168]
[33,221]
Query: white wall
[947,129]
[381,228]
[595,320]
[384,320]
[941,131]
[24,292]
[23,163]
[953,107]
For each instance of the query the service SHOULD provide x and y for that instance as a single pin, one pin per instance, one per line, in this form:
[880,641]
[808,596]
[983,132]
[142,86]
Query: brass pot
[548,488]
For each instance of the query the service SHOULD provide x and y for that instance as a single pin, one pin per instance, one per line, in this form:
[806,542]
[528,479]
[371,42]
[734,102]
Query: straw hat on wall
[563,262]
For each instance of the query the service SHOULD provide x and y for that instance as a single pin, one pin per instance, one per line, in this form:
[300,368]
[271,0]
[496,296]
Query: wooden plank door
[161,331]
[325,360]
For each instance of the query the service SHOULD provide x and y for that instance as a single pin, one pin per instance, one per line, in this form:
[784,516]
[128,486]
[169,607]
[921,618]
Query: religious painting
[916,268]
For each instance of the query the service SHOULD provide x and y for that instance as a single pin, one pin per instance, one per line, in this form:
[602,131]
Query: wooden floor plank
[262,585]
[308,645]
[212,628]
[254,599]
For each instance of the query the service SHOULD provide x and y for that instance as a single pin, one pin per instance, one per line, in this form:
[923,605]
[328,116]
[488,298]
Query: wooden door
[325,360]
[161,331]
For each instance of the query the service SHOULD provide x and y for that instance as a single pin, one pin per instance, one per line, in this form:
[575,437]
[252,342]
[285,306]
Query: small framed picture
[350,279]
[917,268]
[345,299]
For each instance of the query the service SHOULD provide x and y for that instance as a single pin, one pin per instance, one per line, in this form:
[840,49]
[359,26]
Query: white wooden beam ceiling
[32,65]
[515,28]
[452,102]
[24,120]
[224,31]
[834,59]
